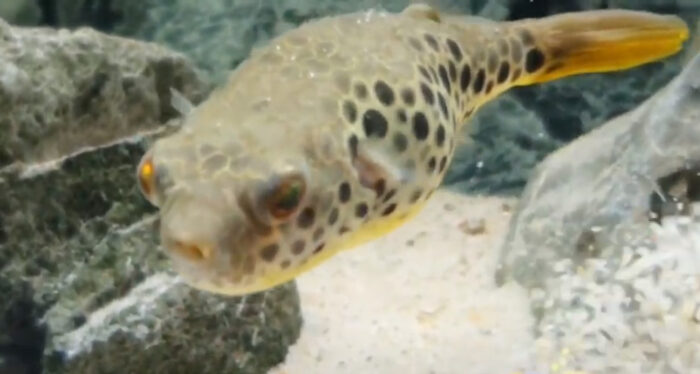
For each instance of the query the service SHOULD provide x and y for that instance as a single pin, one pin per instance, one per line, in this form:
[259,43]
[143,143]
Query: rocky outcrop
[85,287]
[62,91]
[608,283]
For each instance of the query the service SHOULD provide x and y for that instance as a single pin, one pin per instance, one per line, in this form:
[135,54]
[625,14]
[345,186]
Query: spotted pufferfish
[337,132]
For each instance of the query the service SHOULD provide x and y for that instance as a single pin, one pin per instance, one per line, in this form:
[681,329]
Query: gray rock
[613,288]
[506,140]
[86,288]
[20,12]
[590,197]
[62,91]
[113,16]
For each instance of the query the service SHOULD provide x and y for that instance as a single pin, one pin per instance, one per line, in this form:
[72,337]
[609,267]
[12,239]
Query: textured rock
[114,16]
[82,257]
[610,286]
[506,141]
[61,91]
[85,287]
[603,182]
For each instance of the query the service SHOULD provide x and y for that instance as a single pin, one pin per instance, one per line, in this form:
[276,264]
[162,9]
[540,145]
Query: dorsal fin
[421,10]
[180,103]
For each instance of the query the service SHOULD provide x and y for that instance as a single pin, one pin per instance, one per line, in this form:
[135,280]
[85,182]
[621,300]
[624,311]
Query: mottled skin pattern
[359,112]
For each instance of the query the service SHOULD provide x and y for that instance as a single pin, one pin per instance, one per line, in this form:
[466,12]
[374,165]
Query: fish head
[236,210]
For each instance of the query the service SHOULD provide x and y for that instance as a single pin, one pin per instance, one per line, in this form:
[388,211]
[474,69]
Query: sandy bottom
[420,300]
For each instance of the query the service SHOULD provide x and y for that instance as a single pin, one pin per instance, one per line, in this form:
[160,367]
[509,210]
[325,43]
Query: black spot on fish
[465,77]
[269,252]
[306,218]
[352,145]
[454,49]
[374,124]
[360,91]
[400,142]
[344,192]
[427,94]
[479,81]
[431,164]
[444,78]
[350,111]
[408,97]
[384,93]
[420,126]
[503,72]
[333,216]
[390,209]
[443,106]
[361,210]
[453,71]
[432,42]
[534,60]
[440,136]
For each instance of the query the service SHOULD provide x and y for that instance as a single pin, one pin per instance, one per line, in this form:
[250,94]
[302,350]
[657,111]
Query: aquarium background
[77,110]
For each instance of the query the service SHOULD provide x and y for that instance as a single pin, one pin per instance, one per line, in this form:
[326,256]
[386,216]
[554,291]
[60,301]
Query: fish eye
[146,178]
[286,196]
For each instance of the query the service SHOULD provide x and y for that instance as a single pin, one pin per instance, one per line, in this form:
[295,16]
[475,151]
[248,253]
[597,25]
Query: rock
[473,226]
[20,12]
[86,288]
[113,16]
[62,91]
[604,180]
[85,272]
[607,283]
[507,141]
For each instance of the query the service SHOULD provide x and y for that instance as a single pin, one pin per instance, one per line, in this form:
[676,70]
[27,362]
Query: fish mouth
[223,285]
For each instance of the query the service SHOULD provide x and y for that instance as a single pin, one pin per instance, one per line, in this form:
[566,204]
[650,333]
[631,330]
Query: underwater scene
[350,186]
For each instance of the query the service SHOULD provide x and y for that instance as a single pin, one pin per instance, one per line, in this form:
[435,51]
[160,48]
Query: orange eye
[286,197]
[146,177]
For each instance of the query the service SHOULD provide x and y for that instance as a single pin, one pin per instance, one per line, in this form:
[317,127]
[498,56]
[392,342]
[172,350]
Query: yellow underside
[370,231]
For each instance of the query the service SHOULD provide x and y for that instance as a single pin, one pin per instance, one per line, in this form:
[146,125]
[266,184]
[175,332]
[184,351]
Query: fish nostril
[191,251]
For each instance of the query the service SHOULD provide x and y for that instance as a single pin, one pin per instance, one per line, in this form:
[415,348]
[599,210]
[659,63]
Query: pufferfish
[337,132]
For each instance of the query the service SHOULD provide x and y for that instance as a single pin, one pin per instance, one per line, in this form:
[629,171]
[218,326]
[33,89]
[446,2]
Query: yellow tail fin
[596,41]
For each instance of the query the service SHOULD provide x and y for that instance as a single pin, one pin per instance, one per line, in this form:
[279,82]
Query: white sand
[420,300]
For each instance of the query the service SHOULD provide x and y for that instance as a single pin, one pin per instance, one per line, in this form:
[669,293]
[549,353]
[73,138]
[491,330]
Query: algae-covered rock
[80,255]
[114,16]
[506,140]
[610,287]
[603,182]
[62,90]
[86,287]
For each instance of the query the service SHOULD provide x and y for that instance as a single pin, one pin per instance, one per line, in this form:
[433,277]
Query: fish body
[338,132]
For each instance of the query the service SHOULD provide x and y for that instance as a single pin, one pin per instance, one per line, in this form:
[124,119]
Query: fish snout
[194,230]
